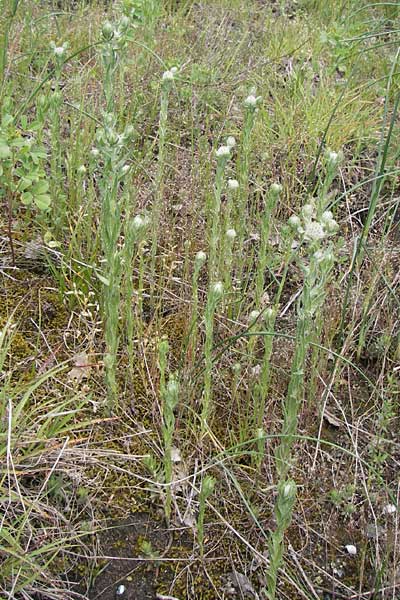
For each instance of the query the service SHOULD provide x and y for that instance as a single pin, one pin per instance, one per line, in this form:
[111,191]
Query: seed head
[230,234]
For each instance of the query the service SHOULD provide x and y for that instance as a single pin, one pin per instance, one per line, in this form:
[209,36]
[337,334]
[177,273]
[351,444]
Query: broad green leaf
[5,151]
[40,187]
[24,184]
[26,198]
[42,201]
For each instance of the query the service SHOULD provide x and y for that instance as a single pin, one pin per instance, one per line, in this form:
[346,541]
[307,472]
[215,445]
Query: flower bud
[207,486]
[276,189]
[217,289]
[107,31]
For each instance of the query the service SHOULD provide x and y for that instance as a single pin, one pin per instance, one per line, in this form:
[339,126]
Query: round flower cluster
[311,228]
[170,74]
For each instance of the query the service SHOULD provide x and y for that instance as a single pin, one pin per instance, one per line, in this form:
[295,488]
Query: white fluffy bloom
[294,221]
[59,50]
[233,184]
[230,234]
[326,216]
[138,222]
[201,257]
[313,231]
[168,75]
[351,549]
[308,211]
[389,509]
[252,101]
[276,188]
[333,157]
[231,142]
[253,316]
[223,151]
[174,70]
[120,590]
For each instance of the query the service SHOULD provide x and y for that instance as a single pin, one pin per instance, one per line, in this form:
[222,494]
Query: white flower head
[253,316]
[125,169]
[276,188]
[313,231]
[389,509]
[333,157]
[351,549]
[308,211]
[233,184]
[223,152]
[230,234]
[294,222]
[168,75]
[120,590]
[331,226]
[326,216]
[59,50]
[139,223]
[174,70]
[95,152]
[231,141]
[201,257]
[252,101]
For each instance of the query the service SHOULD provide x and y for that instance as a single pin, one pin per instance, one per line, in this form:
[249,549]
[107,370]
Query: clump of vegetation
[213,213]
